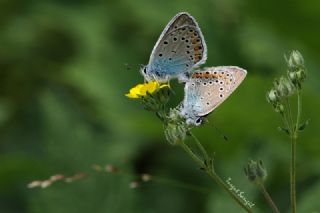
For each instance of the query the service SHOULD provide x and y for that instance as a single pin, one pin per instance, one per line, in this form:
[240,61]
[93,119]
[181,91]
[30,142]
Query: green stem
[214,176]
[293,175]
[286,123]
[221,183]
[202,149]
[290,116]
[268,198]
[191,154]
[298,114]
[293,138]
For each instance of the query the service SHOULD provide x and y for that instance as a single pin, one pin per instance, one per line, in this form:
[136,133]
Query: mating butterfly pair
[178,53]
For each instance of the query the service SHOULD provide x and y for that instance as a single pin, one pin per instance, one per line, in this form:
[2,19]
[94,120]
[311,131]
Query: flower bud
[284,87]
[297,77]
[301,75]
[295,61]
[175,133]
[278,107]
[255,171]
[292,76]
[296,69]
[176,129]
[272,96]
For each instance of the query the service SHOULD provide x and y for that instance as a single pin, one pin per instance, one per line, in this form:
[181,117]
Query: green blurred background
[66,65]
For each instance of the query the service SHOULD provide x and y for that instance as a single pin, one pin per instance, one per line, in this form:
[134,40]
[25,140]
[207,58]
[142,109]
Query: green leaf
[304,125]
[283,129]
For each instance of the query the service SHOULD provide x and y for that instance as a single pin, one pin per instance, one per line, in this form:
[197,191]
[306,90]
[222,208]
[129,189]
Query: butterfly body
[179,49]
[207,89]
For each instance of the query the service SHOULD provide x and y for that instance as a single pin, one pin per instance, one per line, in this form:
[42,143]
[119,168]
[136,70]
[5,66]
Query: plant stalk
[202,149]
[294,137]
[293,175]
[221,183]
[214,176]
[268,198]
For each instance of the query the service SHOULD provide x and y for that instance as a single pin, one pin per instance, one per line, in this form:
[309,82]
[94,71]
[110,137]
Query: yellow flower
[141,90]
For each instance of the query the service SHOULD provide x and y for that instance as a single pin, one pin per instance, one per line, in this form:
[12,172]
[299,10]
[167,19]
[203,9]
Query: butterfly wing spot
[175,39]
[160,55]
[165,42]
[221,88]
[221,96]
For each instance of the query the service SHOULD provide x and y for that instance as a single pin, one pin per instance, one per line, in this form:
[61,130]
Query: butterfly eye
[199,121]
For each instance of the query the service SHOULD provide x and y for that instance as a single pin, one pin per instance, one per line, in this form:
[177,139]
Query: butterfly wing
[208,88]
[180,48]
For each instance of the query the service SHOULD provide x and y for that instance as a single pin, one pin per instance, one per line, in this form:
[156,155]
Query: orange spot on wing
[205,75]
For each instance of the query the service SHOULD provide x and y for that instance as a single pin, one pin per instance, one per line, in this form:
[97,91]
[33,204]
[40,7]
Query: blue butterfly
[180,49]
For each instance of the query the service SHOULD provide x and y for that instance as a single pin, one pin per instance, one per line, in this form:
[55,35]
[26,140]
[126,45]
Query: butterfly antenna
[221,134]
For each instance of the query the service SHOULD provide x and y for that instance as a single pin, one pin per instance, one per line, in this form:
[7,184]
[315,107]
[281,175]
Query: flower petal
[131,95]
[142,90]
[151,87]
[135,92]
